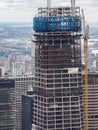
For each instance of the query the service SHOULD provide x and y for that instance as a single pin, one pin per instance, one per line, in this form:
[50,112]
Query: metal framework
[57,19]
[58,85]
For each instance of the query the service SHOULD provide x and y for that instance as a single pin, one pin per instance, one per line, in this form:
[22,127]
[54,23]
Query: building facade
[2,71]
[27,111]
[22,84]
[58,88]
[93,100]
[16,68]
[11,91]
[7,104]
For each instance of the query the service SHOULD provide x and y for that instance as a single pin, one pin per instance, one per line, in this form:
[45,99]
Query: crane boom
[85,29]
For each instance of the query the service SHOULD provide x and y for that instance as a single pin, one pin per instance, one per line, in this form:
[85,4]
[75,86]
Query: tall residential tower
[58,87]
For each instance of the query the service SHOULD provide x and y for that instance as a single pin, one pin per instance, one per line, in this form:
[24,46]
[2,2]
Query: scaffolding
[55,21]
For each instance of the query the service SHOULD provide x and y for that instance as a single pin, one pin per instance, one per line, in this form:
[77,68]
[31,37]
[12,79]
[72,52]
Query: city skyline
[25,10]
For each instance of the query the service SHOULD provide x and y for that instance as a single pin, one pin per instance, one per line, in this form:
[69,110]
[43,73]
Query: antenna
[73,7]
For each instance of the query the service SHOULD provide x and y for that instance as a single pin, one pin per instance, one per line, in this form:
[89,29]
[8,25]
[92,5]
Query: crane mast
[73,7]
[48,4]
[85,29]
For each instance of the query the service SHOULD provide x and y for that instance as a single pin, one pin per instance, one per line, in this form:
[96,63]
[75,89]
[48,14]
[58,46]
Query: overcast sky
[24,10]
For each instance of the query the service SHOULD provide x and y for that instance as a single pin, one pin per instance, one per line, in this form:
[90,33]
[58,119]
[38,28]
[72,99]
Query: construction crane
[48,4]
[85,32]
[73,7]
[85,36]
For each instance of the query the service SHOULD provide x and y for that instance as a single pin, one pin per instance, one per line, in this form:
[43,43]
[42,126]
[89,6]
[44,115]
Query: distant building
[2,71]
[12,90]
[91,61]
[27,111]
[16,68]
[7,104]
[96,62]
[22,85]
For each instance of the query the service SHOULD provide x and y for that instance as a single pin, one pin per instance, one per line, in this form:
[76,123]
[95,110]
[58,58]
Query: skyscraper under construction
[58,86]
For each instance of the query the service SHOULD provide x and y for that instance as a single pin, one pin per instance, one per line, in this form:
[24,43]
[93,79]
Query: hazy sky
[24,10]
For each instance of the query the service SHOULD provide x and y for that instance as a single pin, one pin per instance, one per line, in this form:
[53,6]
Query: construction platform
[56,20]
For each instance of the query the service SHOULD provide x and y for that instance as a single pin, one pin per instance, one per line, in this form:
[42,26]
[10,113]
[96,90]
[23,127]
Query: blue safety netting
[56,23]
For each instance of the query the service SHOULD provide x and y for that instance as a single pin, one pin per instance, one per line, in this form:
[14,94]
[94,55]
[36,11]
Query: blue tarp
[56,23]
